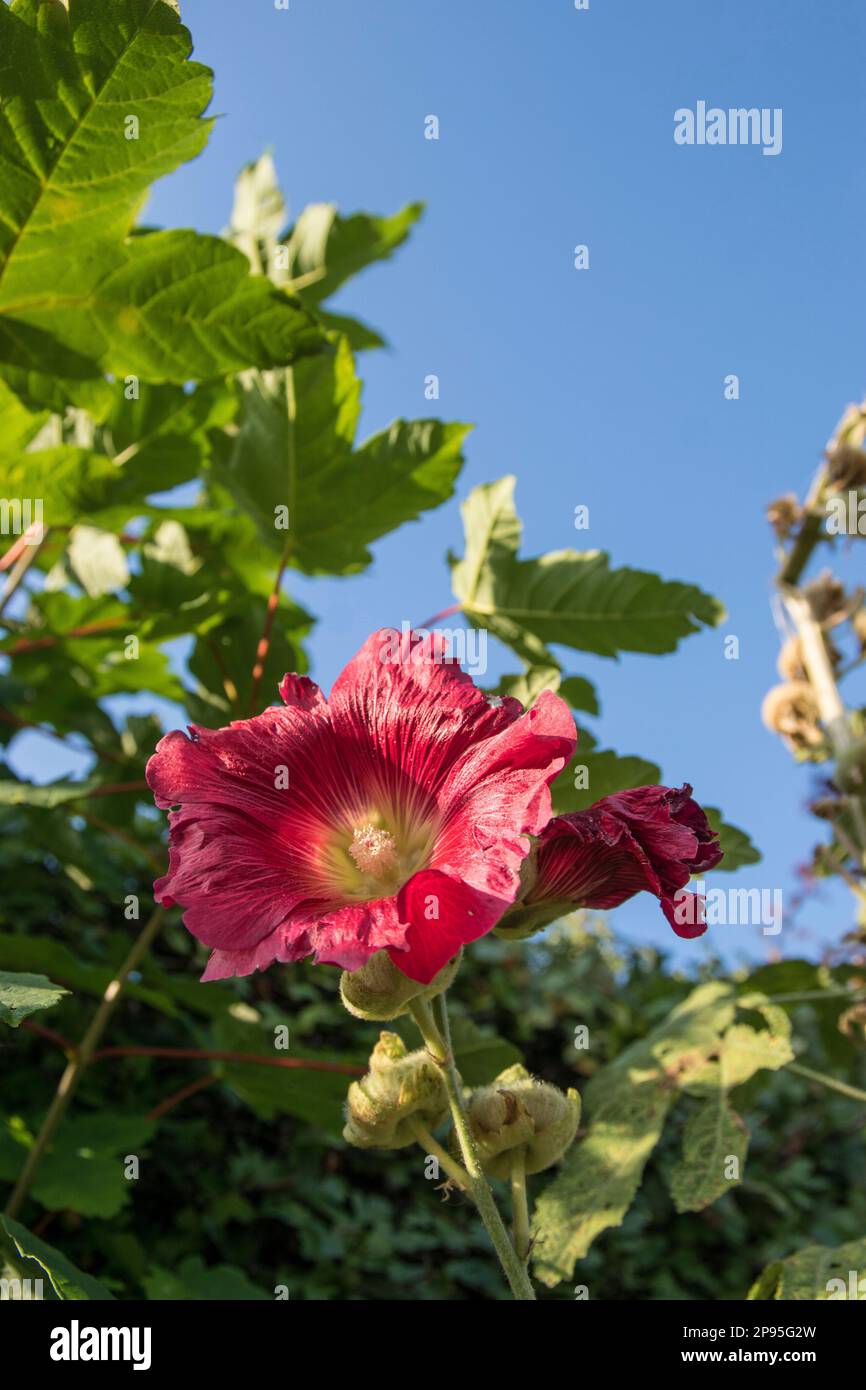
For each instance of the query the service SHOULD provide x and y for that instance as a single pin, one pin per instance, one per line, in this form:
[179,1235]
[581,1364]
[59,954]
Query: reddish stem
[445,613]
[16,548]
[116,789]
[35,644]
[210,1055]
[265,639]
[177,1097]
[49,1033]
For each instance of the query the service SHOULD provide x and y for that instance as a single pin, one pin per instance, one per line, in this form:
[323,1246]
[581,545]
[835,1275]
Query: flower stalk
[520,1204]
[78,1063]
[435,1029]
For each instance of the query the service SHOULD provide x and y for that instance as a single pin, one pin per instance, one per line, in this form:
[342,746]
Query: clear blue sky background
[602,387]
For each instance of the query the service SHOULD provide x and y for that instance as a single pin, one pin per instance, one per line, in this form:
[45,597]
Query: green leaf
[576,690]
[18,425]
[626,1104]
[312,1095]
[818,1274]
[71,482]
[492,530]
[529,684]
[22,995]
[76,650]
[19,952]
[225,654]
[738,848]
[325,250]
[566,597]
[320,252]
[714,1135]
[747,1050]
[480,1055]
[71,82]
[162,433]
[72,182]
[67,1281]
[594,773]
[580,694]
[601,1174]
[14,793]
[180,306]
[338,498]
[84,1169]
[194,1281]
[98,560]
[78,295]
[160,438]
[258,213]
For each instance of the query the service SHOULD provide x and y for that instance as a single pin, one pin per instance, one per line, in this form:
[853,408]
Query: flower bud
[518,1112]
[652,838]
[527,919]
[523,920]
[398,1085]
[379,991]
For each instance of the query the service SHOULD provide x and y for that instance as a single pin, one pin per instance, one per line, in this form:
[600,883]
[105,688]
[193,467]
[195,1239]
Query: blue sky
[604,386]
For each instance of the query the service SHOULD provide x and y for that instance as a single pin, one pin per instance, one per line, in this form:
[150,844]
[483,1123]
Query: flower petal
[443,913]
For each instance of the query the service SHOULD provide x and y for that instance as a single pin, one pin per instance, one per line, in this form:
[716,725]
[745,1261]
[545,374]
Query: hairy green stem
[520,1204]
[852,1092]
[436,1032]
[434,1149]
[426,1025]
[806,996]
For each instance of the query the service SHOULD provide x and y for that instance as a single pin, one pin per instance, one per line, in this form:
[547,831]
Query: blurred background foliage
[239,1192]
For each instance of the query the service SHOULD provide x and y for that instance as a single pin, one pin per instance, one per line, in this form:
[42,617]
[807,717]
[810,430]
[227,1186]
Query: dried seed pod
[790,662]
[846,466]
[784,515]
[827,599]
[791,710]
[858,623]
[791,666]
[853,1023]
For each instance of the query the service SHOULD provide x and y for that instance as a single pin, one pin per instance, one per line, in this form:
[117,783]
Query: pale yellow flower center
[374,851]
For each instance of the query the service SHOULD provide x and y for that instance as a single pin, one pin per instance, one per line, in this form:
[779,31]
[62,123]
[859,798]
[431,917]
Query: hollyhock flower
[394,815]
[651,838]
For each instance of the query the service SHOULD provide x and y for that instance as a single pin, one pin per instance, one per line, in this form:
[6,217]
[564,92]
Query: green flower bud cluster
[399,1086]
[518,1112]
[379,991]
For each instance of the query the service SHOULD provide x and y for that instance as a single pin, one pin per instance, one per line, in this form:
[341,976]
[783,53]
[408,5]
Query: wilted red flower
[394,815]
[651,838]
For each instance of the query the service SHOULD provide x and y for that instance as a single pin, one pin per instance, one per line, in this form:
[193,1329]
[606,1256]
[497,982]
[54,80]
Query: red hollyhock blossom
[393,815]
[651,838]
